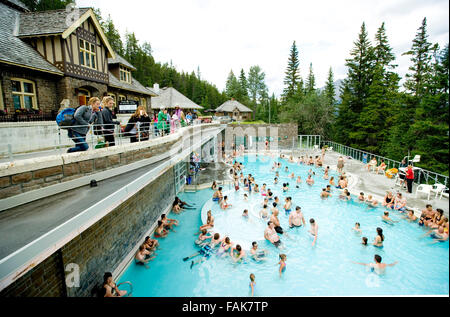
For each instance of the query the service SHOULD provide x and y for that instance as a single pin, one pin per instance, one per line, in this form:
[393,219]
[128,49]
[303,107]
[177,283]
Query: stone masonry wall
[285,132]
[100,248]
[24,182]
[44,280]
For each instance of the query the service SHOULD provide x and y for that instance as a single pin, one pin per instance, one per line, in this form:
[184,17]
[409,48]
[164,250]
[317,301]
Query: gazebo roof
[170,98]
[231,105]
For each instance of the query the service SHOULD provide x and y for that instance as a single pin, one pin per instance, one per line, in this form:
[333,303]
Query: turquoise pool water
[323,270]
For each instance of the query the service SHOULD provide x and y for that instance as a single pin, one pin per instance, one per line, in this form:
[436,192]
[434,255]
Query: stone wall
[100,248]
[69,169]
[67,88]
[45,280]
[282,133]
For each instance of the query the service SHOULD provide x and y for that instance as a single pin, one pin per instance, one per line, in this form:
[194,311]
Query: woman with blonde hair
[138,126]
[107,115]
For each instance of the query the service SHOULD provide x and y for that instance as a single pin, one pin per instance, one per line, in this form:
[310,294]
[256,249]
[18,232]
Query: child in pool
[252,284]
[282,264]
[357,228]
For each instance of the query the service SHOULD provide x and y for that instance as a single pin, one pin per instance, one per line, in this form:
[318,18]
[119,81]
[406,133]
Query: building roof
[170,98]
[46,22]
[120,60]
[63,22]
[135,86]
[13,50]
[16,4]
[231,105]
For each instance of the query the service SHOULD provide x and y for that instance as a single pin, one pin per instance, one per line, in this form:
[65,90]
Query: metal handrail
[426,175]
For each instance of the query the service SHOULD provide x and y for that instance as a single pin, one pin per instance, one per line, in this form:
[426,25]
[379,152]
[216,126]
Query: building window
[144,102]
[113,96]
[122,97]
[87,54]
[125,74]
[23,93]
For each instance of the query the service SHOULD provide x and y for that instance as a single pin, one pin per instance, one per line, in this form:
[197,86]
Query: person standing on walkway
[162,117]
[107,116]
[409,178]
[340,164]
[84,116]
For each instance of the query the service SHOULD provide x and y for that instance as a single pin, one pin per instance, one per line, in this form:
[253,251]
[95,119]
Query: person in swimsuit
[388,200]
[387,219]
[160,232]
[206,252]
[201,241]
[263,190]
[285,188]
[264,214]
[215,241]
[151,244]
[288,205]
[400,203]
[371,202]
[184,204]
[224,204]
[237,254]
[310,181]
[209,221]
[324,194]
[364,241]
[245,214]
[332,181]
[252,278]
[217,196]
[378,242]
[377,267]
[271,235]
[282,264]
[314,231]
[427,215]
[257,255]
[214,186]
[143,256]
[340,164]
[357,228]
[224,246]
[176,208]
[361,197]
[296,218]
[437,220]
[411,217]
[341,183]
[256,188]
[110,287]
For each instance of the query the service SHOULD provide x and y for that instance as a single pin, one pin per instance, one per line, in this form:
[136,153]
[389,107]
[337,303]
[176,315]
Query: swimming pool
[323,270]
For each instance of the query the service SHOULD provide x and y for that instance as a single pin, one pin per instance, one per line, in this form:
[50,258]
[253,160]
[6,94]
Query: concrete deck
[377,185]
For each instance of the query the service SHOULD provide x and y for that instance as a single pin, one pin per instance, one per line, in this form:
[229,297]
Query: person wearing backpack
[83,117]
[107,116]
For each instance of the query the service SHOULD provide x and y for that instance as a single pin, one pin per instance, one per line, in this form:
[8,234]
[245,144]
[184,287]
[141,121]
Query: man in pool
[314,231]
[377,267]
[143,256]
[205,252]
[324,193]
[271,235]
[296,218]
[400,203]
[264,214]
[218,196]
[257,255]
[387,219]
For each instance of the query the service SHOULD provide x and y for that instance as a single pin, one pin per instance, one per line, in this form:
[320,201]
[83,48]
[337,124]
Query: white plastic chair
[330,149]
[424,189]
[416,159]
[439,189]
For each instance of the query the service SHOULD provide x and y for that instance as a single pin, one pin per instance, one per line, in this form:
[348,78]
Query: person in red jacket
[409,178]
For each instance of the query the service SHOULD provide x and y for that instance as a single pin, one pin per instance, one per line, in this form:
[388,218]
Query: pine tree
[292,74]
[382,95]
[232,86]
[330,90]
[421,55]
[243,88]
[355,89]
[113,35]
[311,81]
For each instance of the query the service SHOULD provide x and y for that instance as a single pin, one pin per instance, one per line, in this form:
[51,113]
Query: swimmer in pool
[237,254]
[387,219]
[264,213]
[252,284]
[245,214]
[357,228]
[271,235]
[411,217]
[288,205]
[377,267]
[364,241]
[309,180]
[218,196]
[245,197]
[314,231]
[292,176]
[224,204]
[202,238]
[282,264]
[296,218]
[258,255]
[379,239]
[324,194]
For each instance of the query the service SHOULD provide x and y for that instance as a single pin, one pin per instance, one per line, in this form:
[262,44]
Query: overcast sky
[220,35]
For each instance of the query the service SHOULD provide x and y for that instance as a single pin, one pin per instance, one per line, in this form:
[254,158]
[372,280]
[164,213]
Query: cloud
[220,35]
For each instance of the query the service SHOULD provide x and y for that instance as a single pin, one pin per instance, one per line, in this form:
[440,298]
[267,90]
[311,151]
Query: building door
[83,96]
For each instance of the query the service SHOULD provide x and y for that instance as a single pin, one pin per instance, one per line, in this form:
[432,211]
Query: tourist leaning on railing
[83,117]
[138,126]
[107,116]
